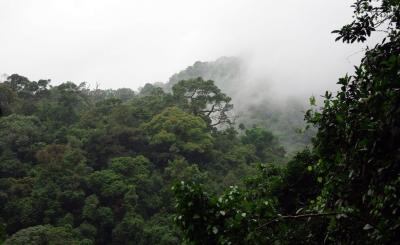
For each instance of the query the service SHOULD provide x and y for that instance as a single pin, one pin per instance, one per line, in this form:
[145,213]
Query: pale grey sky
[120,43]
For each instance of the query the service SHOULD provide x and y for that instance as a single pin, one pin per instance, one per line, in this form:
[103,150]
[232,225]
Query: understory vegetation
[97,166]
[169,165]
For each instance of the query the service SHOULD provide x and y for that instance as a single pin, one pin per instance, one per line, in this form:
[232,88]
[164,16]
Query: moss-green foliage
[255,103]
[45,234]
[358,135]
[83,166]
[346,189]
[251,214]
[204,99]
[176,132]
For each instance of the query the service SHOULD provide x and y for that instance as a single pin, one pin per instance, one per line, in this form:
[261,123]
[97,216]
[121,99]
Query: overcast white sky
[120,43]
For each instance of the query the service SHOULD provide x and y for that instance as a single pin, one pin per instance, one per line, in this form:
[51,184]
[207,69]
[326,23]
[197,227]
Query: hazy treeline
[256,101]
[344,189]
[97,166]
[195,161]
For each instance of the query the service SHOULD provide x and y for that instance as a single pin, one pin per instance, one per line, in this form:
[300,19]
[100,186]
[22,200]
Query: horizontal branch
[300,216]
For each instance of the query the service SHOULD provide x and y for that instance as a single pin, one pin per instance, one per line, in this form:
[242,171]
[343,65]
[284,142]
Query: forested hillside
[256,103]
[97,167]
[345,189]
[203,160]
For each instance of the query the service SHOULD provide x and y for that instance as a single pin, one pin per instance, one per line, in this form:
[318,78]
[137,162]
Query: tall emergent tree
[83,166]
[204,99]
[351,194]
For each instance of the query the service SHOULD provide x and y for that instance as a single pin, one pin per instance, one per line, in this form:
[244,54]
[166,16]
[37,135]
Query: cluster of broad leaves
[81,166]
[346,189]
[250,214]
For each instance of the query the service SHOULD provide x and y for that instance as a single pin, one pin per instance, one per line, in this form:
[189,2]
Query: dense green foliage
[358,138]
[255,103]
[346,189]
[251,214]
[169,166]
[82,166]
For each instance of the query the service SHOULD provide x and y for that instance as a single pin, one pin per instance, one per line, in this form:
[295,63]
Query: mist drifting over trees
[237,149]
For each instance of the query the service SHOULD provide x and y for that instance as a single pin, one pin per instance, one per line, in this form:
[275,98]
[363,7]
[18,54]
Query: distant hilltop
[254,102]
[225,71]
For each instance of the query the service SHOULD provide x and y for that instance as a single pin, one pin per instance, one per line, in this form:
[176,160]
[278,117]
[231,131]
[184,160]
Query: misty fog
[286,45]
[199,122]
[279,52]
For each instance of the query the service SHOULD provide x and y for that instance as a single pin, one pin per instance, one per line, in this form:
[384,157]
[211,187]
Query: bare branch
[300,216]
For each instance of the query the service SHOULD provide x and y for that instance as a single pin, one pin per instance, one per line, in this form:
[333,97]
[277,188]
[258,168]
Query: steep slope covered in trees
[96,167]
[169,166]
[255,102]
[346,189]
